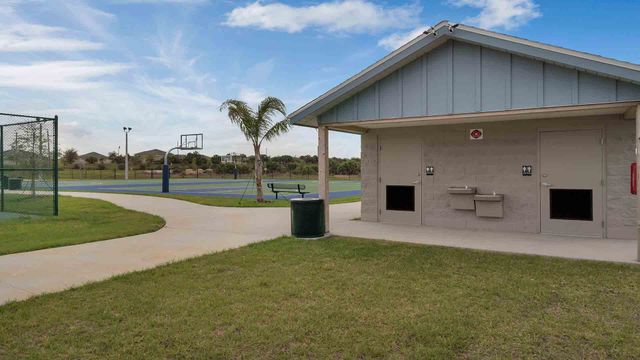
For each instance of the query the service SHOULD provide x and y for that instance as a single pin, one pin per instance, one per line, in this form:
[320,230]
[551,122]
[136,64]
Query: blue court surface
[209,187]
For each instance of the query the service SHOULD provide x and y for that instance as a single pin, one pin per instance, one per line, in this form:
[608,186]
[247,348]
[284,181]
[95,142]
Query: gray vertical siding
[439,80]
[413,97]
[560,85]
[458,77]
[466,78]
[368,103]
[346,111]
[390,95]
[593,88]
[627,91]
[495,80]
[527,79]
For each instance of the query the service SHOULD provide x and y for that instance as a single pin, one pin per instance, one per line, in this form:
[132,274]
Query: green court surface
[209,187]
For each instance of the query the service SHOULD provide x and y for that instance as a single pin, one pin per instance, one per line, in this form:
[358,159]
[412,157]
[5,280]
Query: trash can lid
[305,199]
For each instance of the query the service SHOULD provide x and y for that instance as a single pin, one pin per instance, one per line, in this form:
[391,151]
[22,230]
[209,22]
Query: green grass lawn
[235,202]
[80,221]
[339,298]
[27,204]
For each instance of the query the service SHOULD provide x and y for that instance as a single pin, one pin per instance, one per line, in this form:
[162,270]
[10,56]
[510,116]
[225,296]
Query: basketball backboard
[191,142]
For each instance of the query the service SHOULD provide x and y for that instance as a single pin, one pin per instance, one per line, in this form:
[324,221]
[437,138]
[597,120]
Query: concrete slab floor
[615,250]
[193,230]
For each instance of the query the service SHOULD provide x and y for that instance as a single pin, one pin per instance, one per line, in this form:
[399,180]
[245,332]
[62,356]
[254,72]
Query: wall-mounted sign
[476,134]
[429,170]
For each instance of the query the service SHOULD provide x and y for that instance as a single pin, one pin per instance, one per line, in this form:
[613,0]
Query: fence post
[55,166]
[2,168]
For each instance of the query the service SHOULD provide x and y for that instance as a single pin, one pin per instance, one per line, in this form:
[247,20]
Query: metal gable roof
[441,33]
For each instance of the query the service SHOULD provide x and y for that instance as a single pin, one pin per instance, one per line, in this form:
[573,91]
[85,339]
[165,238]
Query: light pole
[235,166]
[126,152]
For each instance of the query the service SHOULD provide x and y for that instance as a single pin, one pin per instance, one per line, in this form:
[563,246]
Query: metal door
[400,181]
[571,182]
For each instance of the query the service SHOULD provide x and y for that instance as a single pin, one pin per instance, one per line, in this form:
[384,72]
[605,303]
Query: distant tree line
[305,165]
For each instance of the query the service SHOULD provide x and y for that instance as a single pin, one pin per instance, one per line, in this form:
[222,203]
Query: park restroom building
[471,129]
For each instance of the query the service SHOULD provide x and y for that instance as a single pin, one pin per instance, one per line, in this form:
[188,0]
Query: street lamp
[126,152]
[235,165]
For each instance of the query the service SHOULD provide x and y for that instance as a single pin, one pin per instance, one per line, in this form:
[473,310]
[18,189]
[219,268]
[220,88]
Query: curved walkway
[191,230]
[194,230]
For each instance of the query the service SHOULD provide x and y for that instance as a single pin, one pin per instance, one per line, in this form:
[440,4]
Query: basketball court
[208,187]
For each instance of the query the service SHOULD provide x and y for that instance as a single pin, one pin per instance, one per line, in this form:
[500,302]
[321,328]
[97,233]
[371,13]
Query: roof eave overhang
[307,115]
[626,109]
[551,54]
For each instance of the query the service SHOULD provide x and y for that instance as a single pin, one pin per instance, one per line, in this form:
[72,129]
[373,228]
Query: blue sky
[164,66]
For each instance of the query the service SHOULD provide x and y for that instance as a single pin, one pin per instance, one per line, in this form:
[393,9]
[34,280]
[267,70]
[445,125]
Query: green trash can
[14,184]
[307,218]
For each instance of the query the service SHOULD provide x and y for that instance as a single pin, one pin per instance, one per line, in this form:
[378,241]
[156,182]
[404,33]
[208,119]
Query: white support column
[637,140]
[323,171]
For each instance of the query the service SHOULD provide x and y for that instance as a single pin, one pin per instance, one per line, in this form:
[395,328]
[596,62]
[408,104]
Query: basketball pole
[165,170]
[184,145]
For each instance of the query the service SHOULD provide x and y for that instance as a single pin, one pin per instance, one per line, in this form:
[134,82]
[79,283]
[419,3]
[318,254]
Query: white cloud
[251,96]
[18,35]
[57,75]
[396,40]
[336,16]
[174,54]
[24,37]
[184,2]
[157,112]
[506,14]
[261,71]
[178,95]
[94,20]
[95,98]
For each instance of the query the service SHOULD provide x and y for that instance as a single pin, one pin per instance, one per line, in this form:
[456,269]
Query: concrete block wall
[495,164]
[621,205]
[369,176]
[492,164]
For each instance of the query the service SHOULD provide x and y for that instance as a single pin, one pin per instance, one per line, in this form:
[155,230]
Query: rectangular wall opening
[571,204]
[401,198]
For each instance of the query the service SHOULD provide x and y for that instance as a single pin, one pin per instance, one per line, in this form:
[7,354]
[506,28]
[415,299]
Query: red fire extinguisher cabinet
[634,178]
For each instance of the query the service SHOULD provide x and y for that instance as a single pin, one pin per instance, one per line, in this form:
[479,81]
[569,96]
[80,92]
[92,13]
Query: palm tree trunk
[258,163]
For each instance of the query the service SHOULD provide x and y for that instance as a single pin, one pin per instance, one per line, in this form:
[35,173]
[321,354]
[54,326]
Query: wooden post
[323,171]
[638,162]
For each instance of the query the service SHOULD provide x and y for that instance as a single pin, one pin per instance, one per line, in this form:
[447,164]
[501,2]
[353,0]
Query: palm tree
[258,126]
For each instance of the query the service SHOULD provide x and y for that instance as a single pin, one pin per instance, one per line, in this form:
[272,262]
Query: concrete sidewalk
[191,230]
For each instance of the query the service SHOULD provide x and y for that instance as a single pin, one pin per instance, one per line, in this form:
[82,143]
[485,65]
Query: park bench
[287,188]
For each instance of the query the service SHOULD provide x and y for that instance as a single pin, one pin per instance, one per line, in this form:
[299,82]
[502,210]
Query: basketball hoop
[191,142]
[187,142]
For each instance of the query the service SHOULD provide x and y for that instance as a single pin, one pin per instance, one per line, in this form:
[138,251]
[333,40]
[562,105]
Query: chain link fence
[28,164]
